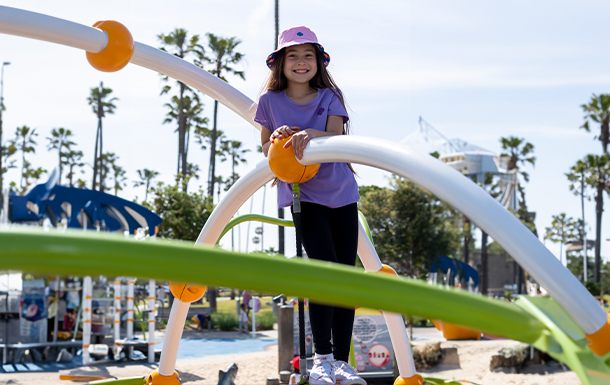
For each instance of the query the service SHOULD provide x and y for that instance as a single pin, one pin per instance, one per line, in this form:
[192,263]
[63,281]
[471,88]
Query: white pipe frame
[130,298]
[117,315]
[446,183]
[152,300]
[87,294]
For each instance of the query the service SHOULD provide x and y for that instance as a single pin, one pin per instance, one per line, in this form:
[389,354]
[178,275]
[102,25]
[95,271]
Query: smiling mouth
[301,71]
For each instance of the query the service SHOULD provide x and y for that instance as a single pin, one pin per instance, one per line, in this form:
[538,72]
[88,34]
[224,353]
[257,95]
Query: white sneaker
[346,374]
[323,371]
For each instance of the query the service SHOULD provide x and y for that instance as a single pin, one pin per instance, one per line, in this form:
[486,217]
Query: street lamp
[1,108]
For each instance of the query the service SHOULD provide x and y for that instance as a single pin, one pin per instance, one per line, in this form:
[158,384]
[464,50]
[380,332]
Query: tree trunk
[599,209]
[212,293]
[97,141]
[212,173]
[483,277]
[605,135]
[181,135]
[60,146]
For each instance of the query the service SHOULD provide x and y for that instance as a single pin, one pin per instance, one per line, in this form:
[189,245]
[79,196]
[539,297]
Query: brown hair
[322,79]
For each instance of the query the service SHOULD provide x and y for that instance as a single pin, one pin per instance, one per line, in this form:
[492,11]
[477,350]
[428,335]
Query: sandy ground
[254,368]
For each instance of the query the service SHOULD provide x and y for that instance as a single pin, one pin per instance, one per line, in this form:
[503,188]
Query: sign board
[372,343]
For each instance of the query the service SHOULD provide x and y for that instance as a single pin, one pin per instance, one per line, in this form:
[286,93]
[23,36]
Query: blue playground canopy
[80,208]
[454,268]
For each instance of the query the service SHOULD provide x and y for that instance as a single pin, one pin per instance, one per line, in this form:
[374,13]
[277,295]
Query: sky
[476,70]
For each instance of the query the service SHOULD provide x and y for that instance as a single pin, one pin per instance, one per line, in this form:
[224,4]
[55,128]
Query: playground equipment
[560,327]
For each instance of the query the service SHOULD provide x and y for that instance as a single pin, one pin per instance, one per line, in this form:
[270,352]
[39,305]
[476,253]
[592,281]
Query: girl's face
[300,64]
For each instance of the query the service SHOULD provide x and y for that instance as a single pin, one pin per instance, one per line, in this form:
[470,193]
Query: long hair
[322,79]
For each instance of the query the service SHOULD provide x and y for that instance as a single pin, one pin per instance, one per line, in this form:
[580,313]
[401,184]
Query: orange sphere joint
[187,292]
[387,269]
[599,341]
[414,380]
[118,51]
[156,379]
[285,166]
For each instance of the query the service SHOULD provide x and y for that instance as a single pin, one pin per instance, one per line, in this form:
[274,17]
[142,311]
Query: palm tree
[60,140]
[107,163]
[520,153]
[576,176]
[232,149]
[596,172]
[222,59]
[190,116]
[72,160]
[118,175]
[101,107]
[24,142]
[598,110]
[561,231]
[179,44]
[519,156]
[146,177]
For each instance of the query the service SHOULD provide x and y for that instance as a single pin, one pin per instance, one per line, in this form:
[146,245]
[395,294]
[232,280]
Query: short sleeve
[336,108]
[262,113]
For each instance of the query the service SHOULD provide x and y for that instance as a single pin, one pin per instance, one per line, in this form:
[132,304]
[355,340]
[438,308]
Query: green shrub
[225,321]
[265,321]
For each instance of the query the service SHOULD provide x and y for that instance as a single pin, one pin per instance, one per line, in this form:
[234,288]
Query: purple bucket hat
[296,36]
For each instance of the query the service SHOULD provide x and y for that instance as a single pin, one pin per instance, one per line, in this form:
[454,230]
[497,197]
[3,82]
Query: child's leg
[344,222]
[317,241]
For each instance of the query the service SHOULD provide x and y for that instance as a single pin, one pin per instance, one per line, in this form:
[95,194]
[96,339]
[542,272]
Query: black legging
[331,235]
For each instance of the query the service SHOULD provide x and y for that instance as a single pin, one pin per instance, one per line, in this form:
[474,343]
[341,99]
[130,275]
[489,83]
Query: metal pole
[584,228]
[55,322]
[1,108]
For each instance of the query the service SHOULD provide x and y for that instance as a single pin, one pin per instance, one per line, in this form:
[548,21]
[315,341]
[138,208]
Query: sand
[254,368]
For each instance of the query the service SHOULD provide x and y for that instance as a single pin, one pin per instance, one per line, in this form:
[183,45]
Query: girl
[302,101]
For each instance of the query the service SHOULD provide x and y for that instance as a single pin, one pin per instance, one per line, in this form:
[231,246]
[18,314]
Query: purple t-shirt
[334,185]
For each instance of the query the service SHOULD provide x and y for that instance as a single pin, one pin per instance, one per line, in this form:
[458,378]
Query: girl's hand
[283,132]
[299,141]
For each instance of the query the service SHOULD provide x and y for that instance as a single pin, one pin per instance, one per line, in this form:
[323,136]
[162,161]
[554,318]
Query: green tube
[254,217]
[83,254]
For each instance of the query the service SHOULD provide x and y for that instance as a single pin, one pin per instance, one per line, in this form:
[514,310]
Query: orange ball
[387,269]
[415,380]
[157,379]
[187,292]
[285,166]
[119,50]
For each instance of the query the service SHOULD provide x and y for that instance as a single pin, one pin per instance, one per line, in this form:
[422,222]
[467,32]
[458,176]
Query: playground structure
[561,326]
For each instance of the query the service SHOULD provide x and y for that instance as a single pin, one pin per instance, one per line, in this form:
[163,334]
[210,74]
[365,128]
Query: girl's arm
[334,126]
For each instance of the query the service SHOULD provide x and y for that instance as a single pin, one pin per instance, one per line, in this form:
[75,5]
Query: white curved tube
[400,344]
[453,188]
[174,67]
[173,334]
[37,26]
[252,182]
[366,251]
[33,25]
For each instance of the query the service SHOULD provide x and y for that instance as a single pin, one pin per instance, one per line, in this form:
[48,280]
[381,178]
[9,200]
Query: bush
[265,321]
[225,321]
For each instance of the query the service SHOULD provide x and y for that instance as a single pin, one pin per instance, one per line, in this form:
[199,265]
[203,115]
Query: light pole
[1,109]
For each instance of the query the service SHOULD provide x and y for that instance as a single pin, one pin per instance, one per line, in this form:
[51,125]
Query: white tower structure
[472,161]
